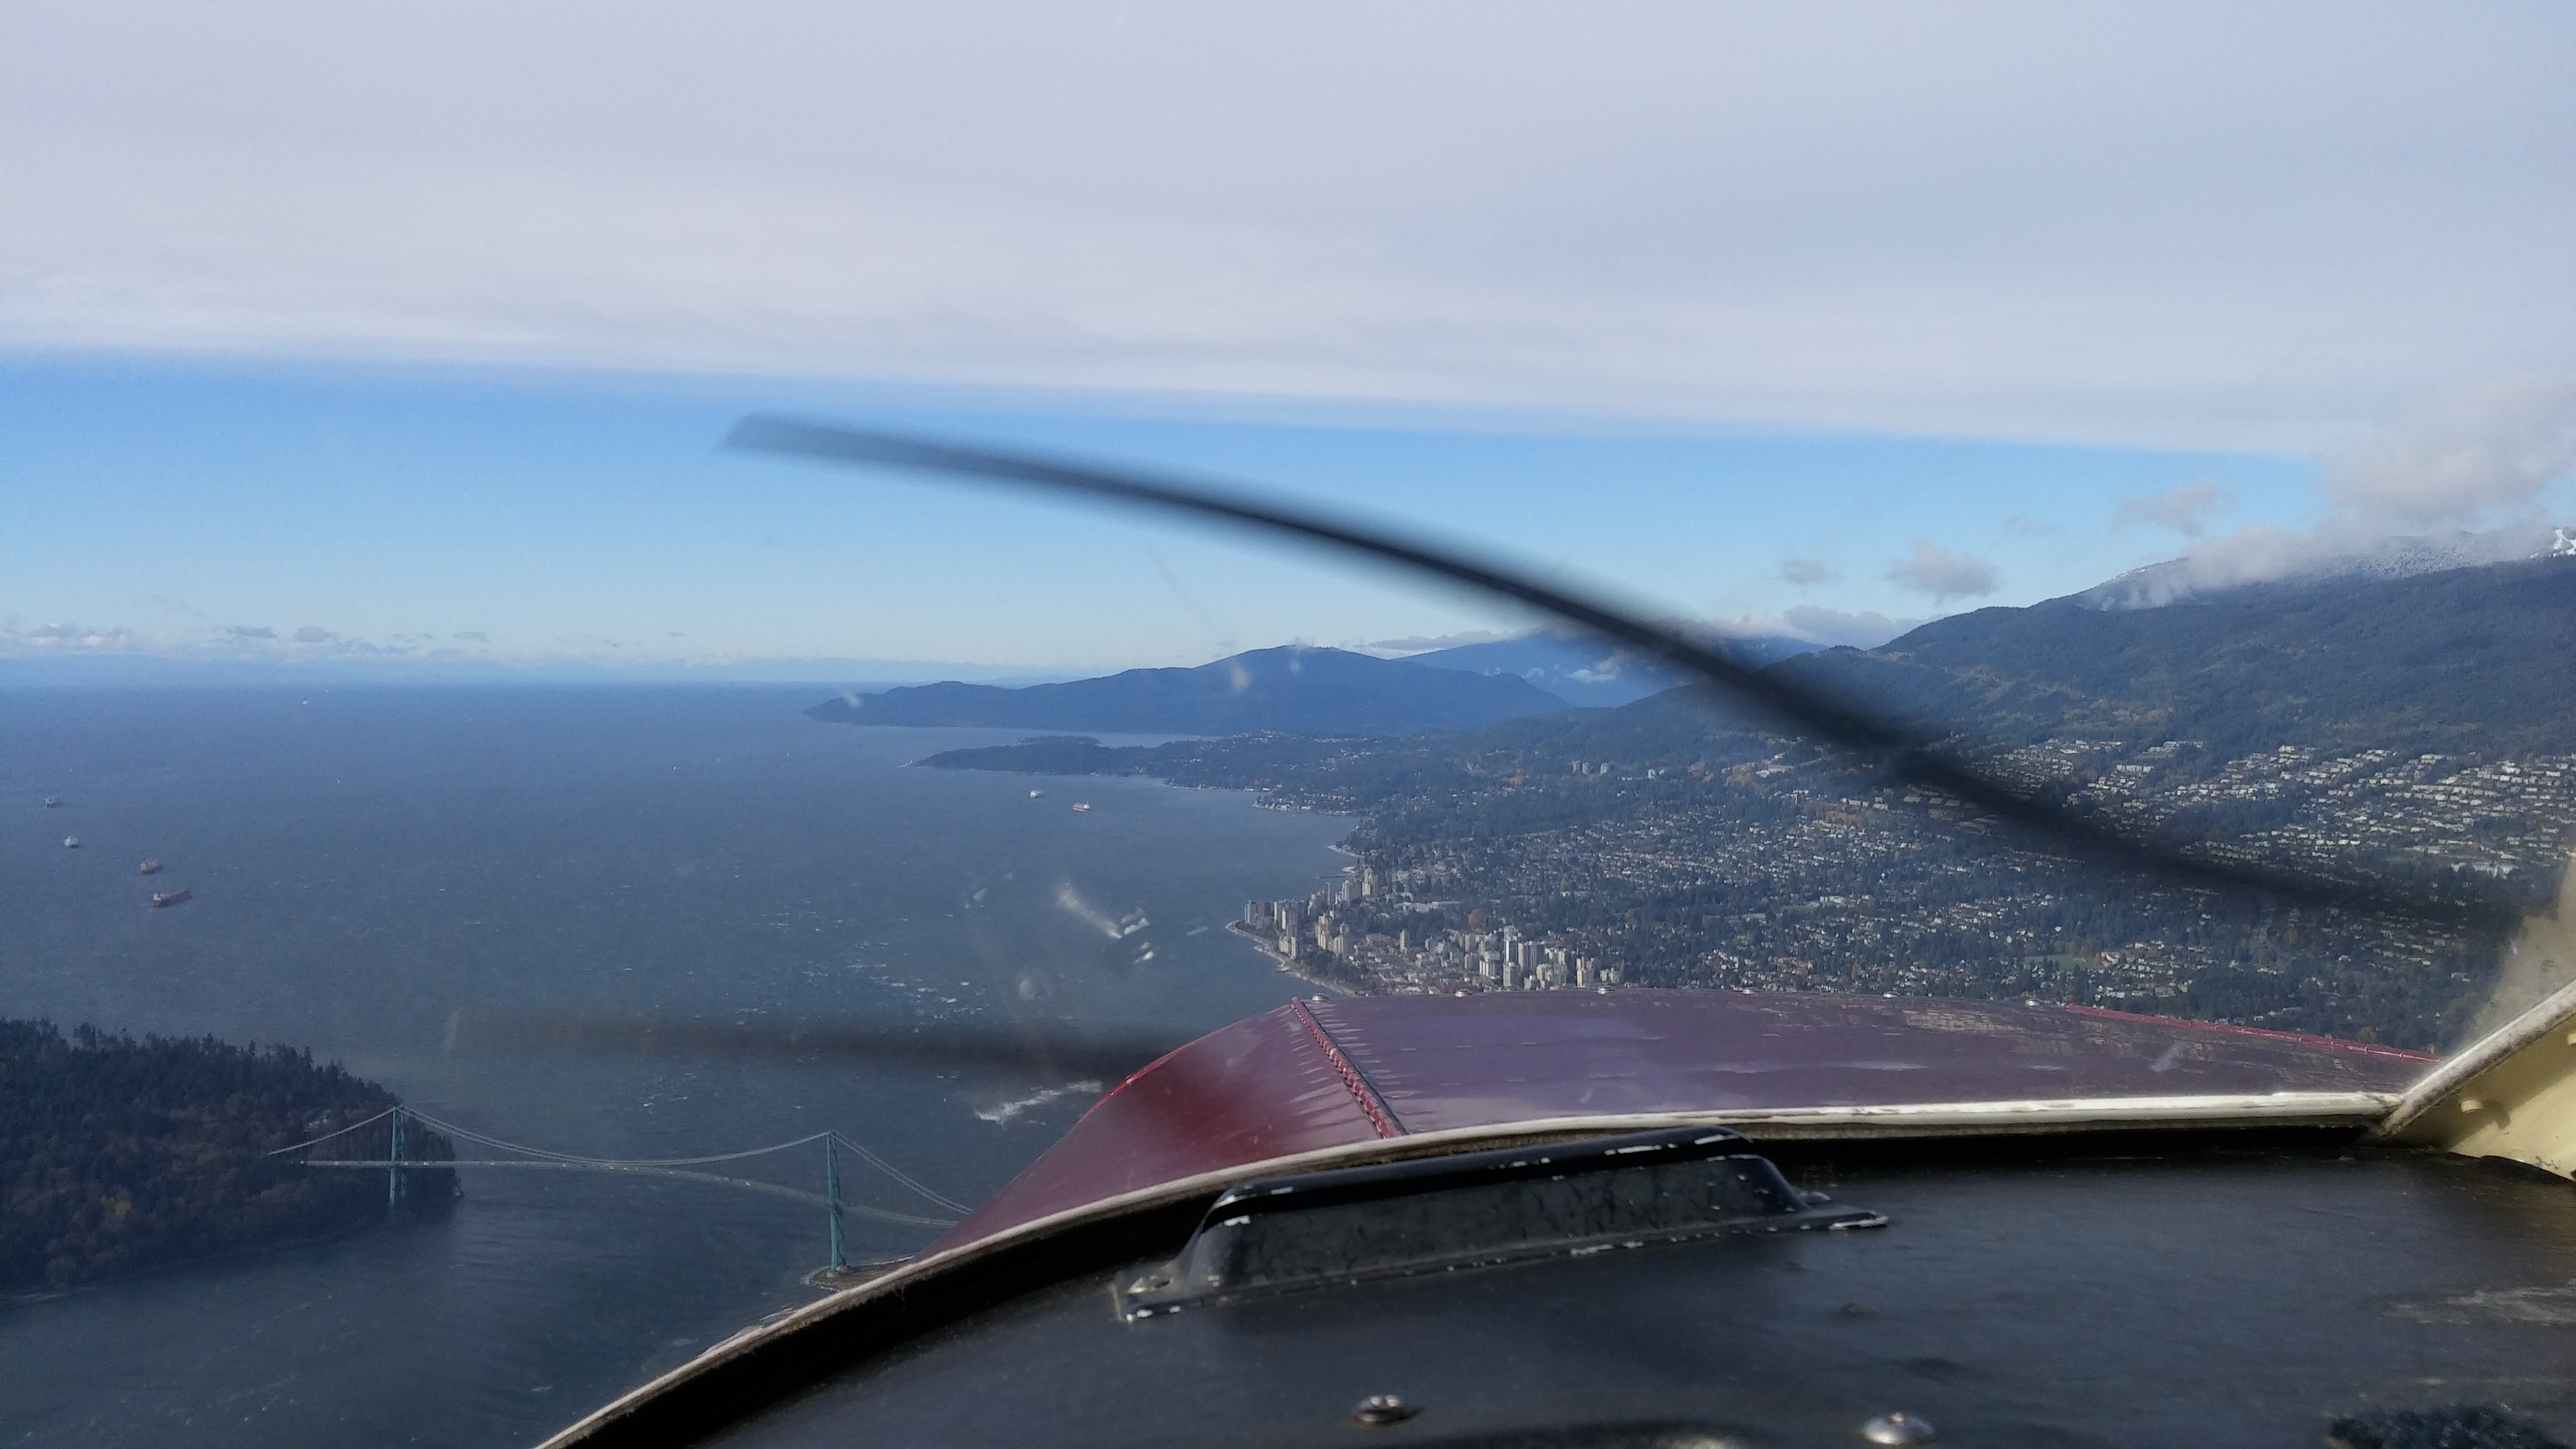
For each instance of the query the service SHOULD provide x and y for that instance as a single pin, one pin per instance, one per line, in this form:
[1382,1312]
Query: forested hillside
[2469,660]
[118,1154]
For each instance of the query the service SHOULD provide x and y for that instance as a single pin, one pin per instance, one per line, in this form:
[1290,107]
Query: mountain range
[1289,690]
[2463,659]
[2387,651]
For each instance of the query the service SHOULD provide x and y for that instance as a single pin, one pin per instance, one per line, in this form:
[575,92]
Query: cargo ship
[171,898]
[149,867]
[71,842]
[1081,808]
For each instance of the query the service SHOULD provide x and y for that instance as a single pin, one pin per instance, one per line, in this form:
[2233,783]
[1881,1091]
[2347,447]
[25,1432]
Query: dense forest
[118,1154]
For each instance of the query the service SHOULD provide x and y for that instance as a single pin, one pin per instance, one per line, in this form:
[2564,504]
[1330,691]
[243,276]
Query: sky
[404,334]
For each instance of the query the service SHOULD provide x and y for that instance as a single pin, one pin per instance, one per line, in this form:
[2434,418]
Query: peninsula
[118,1155]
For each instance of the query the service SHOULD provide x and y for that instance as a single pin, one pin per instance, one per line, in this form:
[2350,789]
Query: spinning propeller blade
[1845,724]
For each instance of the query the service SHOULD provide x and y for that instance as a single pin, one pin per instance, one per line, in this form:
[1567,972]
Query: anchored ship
[171,898]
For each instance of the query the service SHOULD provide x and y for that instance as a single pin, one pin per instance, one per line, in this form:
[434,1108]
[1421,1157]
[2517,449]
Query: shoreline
[1291,968]
[231,1255]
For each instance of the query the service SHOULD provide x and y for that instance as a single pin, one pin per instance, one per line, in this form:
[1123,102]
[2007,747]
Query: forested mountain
[1297,690]
[2415,735]
[2463,660]
[117,1154]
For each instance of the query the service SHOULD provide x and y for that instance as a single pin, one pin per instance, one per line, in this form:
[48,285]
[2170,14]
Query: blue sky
[402,323]
[577,516]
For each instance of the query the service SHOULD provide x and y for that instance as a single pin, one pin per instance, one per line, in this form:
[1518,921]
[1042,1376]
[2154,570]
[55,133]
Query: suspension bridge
[390,1142]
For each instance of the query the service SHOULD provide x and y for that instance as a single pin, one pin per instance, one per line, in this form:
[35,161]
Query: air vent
[1439,1214]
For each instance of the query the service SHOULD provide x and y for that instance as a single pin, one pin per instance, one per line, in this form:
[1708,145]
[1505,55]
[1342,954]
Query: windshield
[502,891]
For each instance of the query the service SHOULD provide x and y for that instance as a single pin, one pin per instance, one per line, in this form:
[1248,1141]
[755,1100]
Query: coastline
[208,1260]
[1288,967]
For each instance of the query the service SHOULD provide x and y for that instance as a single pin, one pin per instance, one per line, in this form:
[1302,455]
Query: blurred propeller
[1844,724]
[1053,1049]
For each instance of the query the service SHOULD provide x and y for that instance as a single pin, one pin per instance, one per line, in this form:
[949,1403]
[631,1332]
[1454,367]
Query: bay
[365,862]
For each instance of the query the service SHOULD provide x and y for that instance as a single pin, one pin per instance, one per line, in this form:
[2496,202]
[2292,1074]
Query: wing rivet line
[1374,1107]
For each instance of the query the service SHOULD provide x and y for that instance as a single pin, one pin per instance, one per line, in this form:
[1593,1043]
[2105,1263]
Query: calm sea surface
[366,862]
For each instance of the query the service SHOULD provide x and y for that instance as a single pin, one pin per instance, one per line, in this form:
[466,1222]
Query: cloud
[314,634]
[1424,643]
[2465,456]
[1830,627]
[1936,571]
[2022,525]
[2178,508]
[1864,630]
[1805,571]
[474,635]
[2262,553]
[2396,505]
[1640,209]
[249,631]
[68,639]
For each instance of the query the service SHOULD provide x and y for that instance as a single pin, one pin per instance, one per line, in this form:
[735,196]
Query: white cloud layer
[2171,222]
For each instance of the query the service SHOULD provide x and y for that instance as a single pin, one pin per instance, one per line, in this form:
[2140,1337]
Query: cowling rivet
[1382,1409]
[1899,1427]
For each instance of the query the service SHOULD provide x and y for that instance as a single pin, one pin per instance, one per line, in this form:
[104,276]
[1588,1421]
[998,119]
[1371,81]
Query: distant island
[1292,690]
[118,1155]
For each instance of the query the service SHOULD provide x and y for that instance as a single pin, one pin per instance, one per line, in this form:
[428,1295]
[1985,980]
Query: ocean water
[366,862]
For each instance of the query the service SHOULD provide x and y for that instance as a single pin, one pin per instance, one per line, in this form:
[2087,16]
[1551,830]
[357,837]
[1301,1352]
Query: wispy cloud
[2480,454]
[2183,508]
[1424,643]
[1805,571]
[1865,629]
[68,639]
[1943,575]
[2412,498]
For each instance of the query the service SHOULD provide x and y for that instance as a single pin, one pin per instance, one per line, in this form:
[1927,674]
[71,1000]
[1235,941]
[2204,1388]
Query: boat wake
[1004,1113]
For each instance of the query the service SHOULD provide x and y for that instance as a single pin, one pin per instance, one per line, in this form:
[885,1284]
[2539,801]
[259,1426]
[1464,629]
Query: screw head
[1899,1427]
[1383,1409]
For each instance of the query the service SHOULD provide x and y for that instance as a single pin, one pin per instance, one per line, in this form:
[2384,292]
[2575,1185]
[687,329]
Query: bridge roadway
[542,1159]
[816,1199]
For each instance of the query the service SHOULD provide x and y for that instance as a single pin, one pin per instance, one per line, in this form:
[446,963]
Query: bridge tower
[832,1203]
[393,1174]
